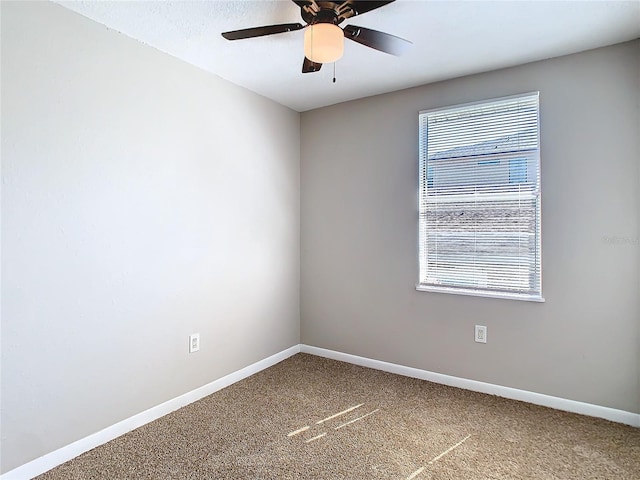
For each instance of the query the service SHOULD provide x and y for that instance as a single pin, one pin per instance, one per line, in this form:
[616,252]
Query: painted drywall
[142,200]
[359,184]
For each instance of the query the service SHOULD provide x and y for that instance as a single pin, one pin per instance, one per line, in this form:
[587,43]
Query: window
[480,199]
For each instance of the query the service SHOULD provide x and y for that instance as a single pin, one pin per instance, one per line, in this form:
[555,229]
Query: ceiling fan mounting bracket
[329,11]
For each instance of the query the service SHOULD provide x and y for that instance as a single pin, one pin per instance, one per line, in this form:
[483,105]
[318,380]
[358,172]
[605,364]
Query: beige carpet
[312,418]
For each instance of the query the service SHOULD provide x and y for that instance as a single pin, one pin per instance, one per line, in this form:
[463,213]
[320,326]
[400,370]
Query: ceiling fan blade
[359,7]
[261,31]
[378,40]
[309,67]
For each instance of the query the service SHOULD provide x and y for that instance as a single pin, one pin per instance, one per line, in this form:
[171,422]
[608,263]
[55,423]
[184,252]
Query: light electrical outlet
[194,342]
[481,334]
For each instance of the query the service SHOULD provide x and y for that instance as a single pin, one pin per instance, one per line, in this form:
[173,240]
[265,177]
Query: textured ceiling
[450,39]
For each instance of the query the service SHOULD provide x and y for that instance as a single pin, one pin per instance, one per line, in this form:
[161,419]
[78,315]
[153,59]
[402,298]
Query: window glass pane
[517,170]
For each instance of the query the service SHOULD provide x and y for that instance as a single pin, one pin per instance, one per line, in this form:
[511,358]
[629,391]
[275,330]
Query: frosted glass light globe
[323,43]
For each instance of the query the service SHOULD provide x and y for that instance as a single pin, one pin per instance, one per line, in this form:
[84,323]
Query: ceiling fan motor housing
[327,12]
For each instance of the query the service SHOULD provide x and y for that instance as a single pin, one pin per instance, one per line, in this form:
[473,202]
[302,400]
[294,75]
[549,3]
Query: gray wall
[142,200]
[359,181]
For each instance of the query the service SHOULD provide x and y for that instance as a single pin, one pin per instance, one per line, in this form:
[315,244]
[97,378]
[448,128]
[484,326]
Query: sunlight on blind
[480,198]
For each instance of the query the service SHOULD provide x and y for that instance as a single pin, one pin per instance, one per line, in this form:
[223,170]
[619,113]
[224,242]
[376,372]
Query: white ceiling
[450,39]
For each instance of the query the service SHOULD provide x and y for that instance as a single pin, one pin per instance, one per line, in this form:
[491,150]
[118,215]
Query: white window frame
[535,293]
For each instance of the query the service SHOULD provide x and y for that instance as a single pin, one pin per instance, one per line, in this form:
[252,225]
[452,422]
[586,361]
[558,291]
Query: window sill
[479,293]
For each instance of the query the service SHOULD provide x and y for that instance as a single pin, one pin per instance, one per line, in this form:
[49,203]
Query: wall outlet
[194,342]
[481,334]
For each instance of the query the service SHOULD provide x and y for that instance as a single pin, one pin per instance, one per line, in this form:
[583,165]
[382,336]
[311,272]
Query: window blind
[479,200]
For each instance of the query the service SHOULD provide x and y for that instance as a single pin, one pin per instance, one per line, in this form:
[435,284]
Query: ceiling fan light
[323,43]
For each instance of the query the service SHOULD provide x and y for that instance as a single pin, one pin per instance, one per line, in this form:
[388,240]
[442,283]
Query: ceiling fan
[324,39]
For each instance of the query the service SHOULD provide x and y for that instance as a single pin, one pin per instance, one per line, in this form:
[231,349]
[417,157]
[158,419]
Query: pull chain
[334,72]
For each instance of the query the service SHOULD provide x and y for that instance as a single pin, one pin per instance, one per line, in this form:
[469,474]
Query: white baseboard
[558,403]
[58,457]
